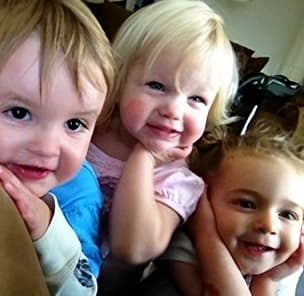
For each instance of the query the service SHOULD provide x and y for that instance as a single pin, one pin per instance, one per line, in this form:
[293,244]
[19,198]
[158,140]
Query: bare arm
[65,268]
[190,280]
[140,226]
[263,286]
[219,273]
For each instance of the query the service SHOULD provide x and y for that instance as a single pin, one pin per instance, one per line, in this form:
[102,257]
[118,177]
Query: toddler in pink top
[177,72]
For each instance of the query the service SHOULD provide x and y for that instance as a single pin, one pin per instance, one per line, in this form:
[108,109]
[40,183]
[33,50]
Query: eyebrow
[247,192]
[17,98]
[295,205]
[90,113]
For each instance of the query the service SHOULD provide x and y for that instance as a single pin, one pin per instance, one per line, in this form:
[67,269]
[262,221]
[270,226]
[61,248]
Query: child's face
[163,112]
[43,140]
[258,204]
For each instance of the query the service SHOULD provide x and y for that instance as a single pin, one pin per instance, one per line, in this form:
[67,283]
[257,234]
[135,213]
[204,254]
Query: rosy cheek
[136,107]
[133,112]
[197,131]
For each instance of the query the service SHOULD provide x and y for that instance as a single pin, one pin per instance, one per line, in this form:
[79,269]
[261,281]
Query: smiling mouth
[260,247]
[257,250]
[163,131]
[28,172]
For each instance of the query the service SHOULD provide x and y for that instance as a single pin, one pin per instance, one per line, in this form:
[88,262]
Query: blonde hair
[268,136]
[66,28]
[189,26]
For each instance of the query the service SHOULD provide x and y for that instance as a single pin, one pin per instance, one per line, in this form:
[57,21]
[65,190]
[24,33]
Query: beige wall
[271,27]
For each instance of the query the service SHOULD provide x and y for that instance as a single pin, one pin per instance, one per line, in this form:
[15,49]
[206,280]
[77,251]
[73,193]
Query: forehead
[21,75]
[174,64]
[271,177]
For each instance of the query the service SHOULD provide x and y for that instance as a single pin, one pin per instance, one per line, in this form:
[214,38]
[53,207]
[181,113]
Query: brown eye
[19,113]
[290,215]
[248,204]
[75,125]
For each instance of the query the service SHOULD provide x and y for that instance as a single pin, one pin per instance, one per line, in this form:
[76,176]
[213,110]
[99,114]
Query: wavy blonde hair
[68,31]
[269,135]
[194,29]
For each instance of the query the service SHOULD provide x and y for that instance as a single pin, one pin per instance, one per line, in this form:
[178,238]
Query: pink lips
[163,131]
[257,250]
[31,173]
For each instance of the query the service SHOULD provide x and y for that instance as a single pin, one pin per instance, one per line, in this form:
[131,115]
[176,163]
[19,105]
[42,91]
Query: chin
[158,147]
[255,270]
[39,190]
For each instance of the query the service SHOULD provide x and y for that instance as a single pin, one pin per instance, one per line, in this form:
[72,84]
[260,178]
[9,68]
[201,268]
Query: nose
[173,108]
[266,223]
[45,142]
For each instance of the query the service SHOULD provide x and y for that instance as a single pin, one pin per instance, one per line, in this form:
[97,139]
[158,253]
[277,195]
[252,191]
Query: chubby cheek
[228,225]
[71,161]
[10,145]
[133,114]
[224,231]
[193,130]
[291,242]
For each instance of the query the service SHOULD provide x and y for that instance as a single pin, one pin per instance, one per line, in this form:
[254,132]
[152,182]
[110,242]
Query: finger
[161,158]
[180,152]
[35,213]
[8,179]
[6,175]
[28,206]
[299,254]
[296,260]
[17,191]
[10,182]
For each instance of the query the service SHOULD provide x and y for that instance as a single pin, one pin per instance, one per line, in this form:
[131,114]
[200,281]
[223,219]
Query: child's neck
[115,141]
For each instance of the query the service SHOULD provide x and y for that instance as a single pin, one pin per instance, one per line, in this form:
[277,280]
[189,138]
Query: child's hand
[203,230]
[155,158]
[219,273]
[166,156]
[34,211]
[174,153]
[179,152]
[293,263]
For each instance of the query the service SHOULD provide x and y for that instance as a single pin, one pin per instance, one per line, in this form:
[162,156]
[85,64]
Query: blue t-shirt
[81,202]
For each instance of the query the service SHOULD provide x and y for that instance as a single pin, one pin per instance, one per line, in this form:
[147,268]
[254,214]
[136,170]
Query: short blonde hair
[188,25]
[66,28]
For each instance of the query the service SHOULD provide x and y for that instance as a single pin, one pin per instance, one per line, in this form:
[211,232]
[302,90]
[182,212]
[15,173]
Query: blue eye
[19,113]
[197,99]
[75,125]
[156,85]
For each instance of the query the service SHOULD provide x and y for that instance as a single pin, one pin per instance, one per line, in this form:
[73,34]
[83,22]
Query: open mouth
[163,131]
[28,172]
[257,249]
[260,247]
